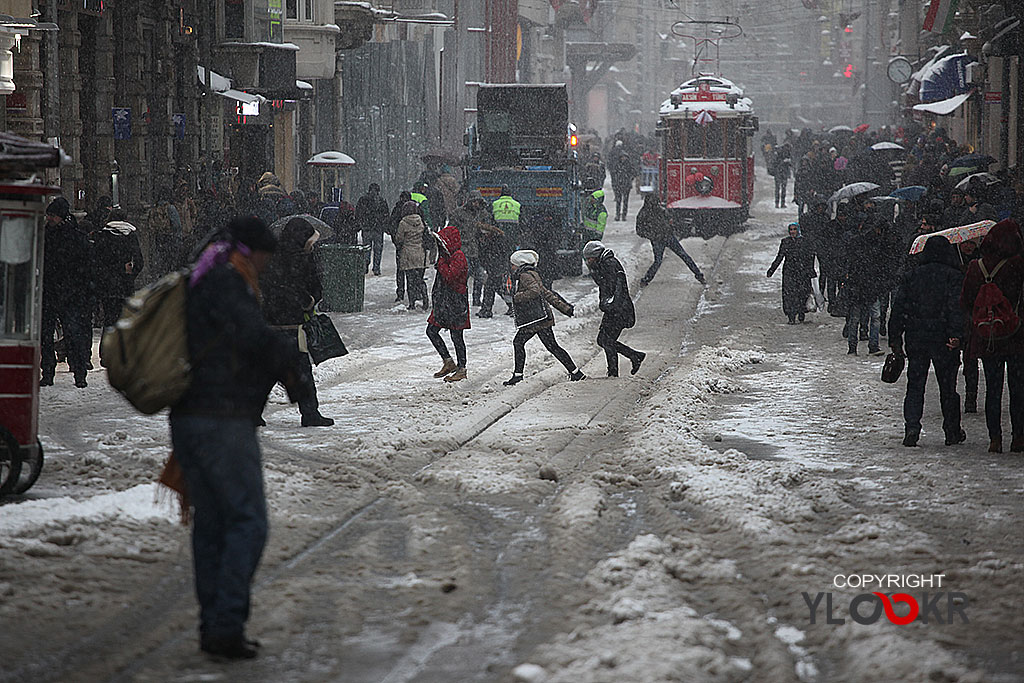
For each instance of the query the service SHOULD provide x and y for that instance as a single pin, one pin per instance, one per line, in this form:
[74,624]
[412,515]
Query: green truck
[522,139]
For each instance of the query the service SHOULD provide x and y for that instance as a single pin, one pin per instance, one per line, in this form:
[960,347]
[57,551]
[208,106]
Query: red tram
[22,203]
[706,179]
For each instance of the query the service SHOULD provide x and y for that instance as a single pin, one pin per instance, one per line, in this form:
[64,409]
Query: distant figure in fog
[117,261]
[797,272]
[654,225]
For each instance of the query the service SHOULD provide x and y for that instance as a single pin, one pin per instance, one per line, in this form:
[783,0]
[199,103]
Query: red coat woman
[450,309]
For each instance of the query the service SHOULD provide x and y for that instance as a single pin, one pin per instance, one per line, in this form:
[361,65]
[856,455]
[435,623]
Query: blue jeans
[863,314]
[658,246]
[375,239]
[220,458]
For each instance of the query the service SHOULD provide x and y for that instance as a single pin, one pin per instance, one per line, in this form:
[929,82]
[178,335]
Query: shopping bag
[322,339]
[892,368]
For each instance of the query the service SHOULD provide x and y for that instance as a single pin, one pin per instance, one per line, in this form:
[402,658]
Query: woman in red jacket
[451,303]
[1002,261]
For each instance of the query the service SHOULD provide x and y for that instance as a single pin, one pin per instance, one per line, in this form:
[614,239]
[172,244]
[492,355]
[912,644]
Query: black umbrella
[976,160]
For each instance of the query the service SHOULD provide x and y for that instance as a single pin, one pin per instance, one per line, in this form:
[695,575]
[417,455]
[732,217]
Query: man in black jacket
[236,359]
[615,303]
[927,312]
[653,224]
[67,293]
[291,288]
[372,216]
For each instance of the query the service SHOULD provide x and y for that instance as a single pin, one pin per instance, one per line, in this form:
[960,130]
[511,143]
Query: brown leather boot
[996,445]
[459,374]
[1017,444]
[446,369]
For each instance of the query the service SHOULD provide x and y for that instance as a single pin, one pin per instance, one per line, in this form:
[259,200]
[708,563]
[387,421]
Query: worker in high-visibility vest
[595,216]
[495,250]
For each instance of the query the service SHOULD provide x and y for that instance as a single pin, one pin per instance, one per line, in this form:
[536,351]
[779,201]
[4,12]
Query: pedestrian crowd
[864,247]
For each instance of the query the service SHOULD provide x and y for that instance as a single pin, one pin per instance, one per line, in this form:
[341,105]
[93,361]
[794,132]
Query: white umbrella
[985,178]
[878,146]
[840,129]
[850,191]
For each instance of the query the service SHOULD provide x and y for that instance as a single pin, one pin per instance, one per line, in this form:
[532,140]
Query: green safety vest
[595,216]
[505,208]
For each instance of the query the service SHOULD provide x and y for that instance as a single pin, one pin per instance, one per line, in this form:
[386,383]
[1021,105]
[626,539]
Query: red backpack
[993,317]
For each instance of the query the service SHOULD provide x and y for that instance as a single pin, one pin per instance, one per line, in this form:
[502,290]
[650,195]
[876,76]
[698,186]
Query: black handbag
[893,368]
[322,339]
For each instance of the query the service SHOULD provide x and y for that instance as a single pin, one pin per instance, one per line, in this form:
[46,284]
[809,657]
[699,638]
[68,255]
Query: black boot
[234,647]
[316,420]
[636,362]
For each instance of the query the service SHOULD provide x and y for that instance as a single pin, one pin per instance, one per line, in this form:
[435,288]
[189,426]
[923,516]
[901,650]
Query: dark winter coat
[926,307]
[290,283]
[236,357]
[115,247]
[67,265]
[372,213]
[529,288]
[613,291]
[652,223]
[1002,242]
[450,296]
[624,169]
[797,270]
[866,266]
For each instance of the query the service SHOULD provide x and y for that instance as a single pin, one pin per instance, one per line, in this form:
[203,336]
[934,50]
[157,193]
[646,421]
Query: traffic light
[848,71]
[845,19]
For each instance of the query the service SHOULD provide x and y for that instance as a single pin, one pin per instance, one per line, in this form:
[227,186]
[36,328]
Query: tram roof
[707,92]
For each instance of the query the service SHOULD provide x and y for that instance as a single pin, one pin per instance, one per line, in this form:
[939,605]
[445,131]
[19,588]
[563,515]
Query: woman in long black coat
[797,270]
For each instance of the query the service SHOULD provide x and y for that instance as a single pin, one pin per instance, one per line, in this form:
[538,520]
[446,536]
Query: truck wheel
[30,470]
[10,462]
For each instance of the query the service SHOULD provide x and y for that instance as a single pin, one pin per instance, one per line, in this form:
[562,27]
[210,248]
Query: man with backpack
[236,359]
[926,312]
[992,296]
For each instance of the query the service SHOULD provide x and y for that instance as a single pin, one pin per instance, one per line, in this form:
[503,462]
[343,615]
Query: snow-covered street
[658,527]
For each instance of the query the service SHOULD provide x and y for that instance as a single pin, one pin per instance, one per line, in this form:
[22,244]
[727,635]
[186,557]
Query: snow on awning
[241,96]
[623,88]
[943,107]
[217,82]
[303,85]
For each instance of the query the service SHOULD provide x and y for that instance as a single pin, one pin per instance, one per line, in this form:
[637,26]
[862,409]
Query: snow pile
[640,600]
[31,517]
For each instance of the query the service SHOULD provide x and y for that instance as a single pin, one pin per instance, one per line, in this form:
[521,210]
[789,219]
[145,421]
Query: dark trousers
[376,242]
[608,339]
[110,310]
[77,325]
[399,283]
[971,376]
[496,272]
[309,405]
[547,338]
[673,245]
[780,190]
[220,458]
[622,201]
[415,285]
[995,369]
[946,363]
[458,341]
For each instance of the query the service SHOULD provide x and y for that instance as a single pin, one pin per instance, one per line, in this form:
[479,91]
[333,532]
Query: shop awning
[943,107]
[246,97]
[945,78]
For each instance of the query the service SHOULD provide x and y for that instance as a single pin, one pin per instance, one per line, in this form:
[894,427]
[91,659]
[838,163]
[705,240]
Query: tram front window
[704,141]
[17,245]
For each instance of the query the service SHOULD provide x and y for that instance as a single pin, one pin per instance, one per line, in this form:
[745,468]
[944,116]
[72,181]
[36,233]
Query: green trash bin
[343,274]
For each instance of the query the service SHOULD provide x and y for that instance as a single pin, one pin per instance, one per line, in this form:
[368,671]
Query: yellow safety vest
[505,208]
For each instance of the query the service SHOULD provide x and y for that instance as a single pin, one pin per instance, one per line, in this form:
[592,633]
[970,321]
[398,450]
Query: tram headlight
[705,185]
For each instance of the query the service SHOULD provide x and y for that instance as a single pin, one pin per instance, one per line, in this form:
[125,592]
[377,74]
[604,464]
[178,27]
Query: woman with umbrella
[797,271]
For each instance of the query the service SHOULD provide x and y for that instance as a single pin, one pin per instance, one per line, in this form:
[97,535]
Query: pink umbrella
[962,233]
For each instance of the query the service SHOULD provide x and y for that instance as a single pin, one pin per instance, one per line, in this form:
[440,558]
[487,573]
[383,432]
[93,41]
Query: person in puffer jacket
[451,303]
[531,305]
[928,323]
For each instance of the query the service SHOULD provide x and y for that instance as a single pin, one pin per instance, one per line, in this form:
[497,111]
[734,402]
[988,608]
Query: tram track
[168,633]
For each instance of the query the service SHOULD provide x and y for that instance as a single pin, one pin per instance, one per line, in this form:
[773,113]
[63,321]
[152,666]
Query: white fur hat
[524,257]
